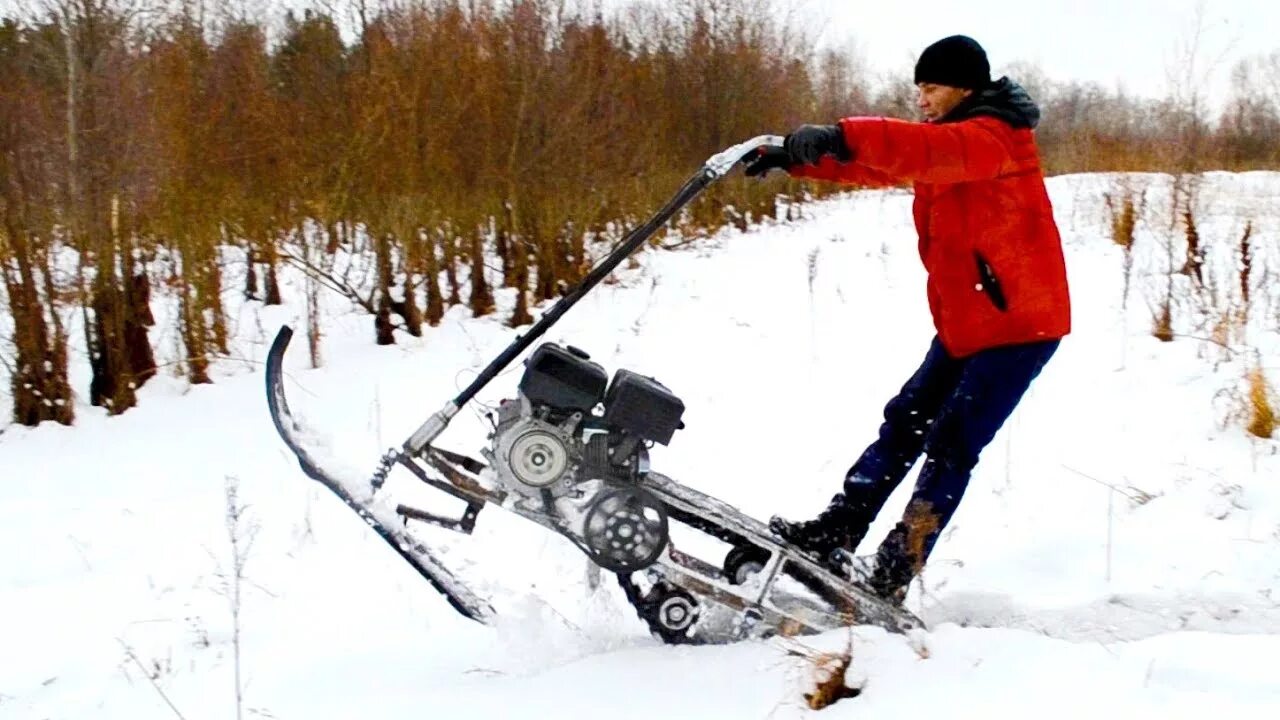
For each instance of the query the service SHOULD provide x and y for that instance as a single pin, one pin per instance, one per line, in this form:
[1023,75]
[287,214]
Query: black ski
[400,540]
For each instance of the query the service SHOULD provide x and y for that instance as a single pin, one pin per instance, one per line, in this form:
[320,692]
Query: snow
[1117,553]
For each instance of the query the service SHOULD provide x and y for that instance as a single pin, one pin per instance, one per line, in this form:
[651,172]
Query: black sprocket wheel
[625,529]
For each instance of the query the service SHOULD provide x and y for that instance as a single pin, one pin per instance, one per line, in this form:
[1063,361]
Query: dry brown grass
[1124,218]
[829,669]
[829,683]
[1261,411]
[1162,327]
[1124,210]
[1193,266]
[921,522]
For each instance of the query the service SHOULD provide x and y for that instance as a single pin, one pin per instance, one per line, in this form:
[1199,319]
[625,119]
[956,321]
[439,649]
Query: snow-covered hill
[1117,554]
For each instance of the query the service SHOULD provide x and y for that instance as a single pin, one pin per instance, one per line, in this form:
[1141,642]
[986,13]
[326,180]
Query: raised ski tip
[283,335]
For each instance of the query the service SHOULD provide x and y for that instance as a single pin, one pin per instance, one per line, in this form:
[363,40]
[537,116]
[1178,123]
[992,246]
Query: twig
[129,651]
[79,546]
[1230,350]
[1135,498]
[339,286]
[1110,522]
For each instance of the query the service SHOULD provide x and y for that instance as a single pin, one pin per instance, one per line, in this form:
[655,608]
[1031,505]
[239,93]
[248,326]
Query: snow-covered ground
[1117,554]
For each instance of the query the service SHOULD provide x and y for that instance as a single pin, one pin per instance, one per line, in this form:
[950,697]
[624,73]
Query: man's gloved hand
[768,157]
[808,143]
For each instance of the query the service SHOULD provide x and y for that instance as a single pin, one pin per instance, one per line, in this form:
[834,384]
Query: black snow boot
[894,567]
[837,528]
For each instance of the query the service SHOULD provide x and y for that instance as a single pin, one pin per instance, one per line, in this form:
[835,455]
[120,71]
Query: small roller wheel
[677,611]
[672,613]
[743,561]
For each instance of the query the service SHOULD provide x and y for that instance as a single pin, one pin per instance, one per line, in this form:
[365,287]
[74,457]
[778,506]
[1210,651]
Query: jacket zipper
[990,285]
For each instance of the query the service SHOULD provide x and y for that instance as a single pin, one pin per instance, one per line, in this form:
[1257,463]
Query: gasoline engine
[574,445]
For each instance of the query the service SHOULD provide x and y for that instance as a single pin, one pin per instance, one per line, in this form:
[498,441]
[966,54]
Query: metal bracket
[464,525]
[455,483]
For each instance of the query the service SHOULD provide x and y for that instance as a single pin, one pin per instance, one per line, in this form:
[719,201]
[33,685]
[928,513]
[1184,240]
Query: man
[997,291]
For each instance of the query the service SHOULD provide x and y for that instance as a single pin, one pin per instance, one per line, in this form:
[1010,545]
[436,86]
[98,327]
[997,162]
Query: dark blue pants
[948,411]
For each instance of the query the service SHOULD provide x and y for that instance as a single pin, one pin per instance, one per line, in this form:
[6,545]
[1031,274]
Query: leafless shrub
[241,531]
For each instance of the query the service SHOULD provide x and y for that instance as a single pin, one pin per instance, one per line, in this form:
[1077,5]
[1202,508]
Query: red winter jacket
[987,234]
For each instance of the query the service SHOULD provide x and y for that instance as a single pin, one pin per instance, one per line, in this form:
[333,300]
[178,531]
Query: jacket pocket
[990,284]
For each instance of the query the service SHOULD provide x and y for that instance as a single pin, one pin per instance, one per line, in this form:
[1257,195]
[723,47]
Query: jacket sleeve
[968,150]
[852,173]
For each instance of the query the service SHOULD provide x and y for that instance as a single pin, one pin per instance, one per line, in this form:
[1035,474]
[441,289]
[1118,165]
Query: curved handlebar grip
[723,161]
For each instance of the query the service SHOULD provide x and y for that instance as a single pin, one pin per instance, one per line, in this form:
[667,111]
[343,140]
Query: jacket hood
[1004,100]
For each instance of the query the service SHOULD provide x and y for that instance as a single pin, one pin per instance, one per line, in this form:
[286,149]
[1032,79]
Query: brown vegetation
[1262,415]
[830,668]
[475,151]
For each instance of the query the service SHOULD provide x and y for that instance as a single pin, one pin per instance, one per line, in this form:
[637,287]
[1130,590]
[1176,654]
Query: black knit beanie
[958,61]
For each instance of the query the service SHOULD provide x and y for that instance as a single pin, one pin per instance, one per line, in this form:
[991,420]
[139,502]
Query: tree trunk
[313,308]
[192,323]
[141,358]
[383,329]
[450,268]
[501,248]
[313,323]
[435,304]
[412,315]
[409,308]
[39,380]
[112,384]
[273,285]
[136,293]
[545,257]
[39,384]
[578,263]
[520,255]
[333,241]
[504,245]
[211,294]
[481,296]
[1246,267]
[250,275]
[57,388]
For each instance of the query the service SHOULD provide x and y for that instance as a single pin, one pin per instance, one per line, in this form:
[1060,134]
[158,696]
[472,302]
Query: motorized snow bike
[571,453]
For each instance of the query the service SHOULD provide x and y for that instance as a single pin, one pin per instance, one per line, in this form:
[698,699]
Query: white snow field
[1117,553]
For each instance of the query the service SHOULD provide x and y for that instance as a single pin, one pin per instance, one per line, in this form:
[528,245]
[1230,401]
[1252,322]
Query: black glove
[808,143]
[768,157]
